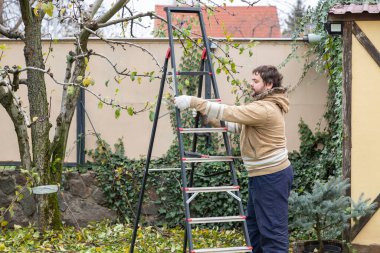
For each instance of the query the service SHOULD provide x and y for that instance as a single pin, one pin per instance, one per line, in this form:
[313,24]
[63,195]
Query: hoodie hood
[276,95]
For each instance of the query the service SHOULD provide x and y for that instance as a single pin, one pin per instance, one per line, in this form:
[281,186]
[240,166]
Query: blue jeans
[267,211]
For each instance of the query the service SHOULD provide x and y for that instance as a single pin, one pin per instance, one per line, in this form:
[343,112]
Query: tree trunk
[319,235]
[49,214]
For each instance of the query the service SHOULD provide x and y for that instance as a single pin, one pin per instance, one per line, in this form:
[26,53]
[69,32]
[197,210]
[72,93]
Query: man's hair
[269,74]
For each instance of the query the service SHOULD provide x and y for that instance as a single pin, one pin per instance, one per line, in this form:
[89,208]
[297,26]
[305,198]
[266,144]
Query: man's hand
[182,102]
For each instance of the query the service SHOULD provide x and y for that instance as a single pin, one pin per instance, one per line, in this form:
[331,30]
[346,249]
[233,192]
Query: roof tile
[237,21]
[341,9]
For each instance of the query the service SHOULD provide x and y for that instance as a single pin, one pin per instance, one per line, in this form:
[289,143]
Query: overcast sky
[283,7]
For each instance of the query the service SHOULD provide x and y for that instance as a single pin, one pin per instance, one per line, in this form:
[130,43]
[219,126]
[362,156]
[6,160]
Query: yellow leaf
[36,9]
[48,8]
[88,81]
[35,118]
[4,223]
[79,78]
[3,47]
[62,11]
[2,247]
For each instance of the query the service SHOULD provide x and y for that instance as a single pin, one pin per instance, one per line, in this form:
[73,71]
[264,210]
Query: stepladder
[190,157]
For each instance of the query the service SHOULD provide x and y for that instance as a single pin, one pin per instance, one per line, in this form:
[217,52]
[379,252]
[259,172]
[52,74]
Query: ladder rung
[216,219]
[208,159]
[182,9]
[167,169]
[203,130]
[212,189]
[191,73]
[215,100]
[231,249]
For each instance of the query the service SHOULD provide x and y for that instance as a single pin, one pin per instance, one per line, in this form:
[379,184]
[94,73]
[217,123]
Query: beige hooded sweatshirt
[261,126]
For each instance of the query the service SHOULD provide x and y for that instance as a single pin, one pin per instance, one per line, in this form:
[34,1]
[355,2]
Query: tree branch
[124,43]
[17,25]
[111,12]
[95,7]
[20,120]
[7,32]
[116,21]
[99,97]
[26,11]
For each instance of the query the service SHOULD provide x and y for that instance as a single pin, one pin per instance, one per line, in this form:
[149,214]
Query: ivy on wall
[120,177]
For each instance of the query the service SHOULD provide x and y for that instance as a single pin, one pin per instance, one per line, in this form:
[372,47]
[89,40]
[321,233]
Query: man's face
[258,86]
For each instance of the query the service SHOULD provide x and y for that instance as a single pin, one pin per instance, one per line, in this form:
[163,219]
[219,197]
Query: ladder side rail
[178,120]
[209,61]
[149,155]
[225,135]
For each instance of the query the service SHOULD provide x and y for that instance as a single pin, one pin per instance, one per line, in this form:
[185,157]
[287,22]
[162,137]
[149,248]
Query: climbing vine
[120,177]
[320,154]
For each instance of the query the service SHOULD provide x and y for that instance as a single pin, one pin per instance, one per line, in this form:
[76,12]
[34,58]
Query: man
[263,149]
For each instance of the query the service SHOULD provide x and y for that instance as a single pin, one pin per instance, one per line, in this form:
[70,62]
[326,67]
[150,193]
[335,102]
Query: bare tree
[41,153]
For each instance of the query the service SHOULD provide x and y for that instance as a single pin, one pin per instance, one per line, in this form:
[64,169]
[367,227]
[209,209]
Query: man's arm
[251,114]
[231,126]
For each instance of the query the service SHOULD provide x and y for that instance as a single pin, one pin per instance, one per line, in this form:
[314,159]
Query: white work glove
[194,112]
[182,102]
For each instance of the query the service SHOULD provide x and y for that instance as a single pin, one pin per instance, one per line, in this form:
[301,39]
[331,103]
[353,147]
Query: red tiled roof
[340,9]
[237,21]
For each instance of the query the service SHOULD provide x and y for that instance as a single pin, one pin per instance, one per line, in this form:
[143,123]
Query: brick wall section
[237,21]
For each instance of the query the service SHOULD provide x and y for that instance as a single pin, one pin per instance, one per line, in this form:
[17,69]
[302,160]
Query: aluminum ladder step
[208,159]
[221,250]
[191,73]
[212,189]
[203,130]
[215,100]
[216,219]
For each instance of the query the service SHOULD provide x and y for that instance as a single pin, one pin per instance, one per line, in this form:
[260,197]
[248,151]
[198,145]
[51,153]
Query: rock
[19,218]
[98,196]
[78,188]
[5,200]
[82,212]
[7,184]
[20,179]
[149,208]
[72,175]
[89,178]
[62,200]
[28,203]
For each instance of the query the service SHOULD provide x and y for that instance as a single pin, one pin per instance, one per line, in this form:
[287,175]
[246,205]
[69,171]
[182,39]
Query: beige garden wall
[307,100]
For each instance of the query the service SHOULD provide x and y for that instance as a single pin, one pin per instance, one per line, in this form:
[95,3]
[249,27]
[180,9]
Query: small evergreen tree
[293,19]
[325,211]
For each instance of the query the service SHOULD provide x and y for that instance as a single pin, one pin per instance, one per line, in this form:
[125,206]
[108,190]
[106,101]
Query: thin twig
[124,43]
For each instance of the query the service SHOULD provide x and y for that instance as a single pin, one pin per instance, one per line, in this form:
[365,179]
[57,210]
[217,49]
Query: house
[359,25]
[233,21]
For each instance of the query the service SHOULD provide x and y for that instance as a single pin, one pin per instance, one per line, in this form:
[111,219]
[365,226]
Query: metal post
[81,138]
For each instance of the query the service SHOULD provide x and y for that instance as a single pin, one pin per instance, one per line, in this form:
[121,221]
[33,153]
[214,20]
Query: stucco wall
[365,124]
[307,100]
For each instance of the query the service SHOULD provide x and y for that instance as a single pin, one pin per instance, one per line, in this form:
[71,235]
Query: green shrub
[120,179]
